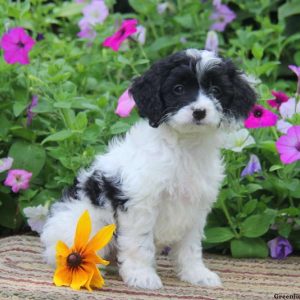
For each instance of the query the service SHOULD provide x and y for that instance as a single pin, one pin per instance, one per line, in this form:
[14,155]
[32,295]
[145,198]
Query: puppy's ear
[146,94]
[244,95]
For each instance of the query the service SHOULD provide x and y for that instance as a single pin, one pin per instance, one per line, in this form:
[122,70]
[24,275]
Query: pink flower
[127,28]
[6,163]
[288,146]
[18,180]
[30,114]
[16,45]
[125,105]
[280,97]
[260,117]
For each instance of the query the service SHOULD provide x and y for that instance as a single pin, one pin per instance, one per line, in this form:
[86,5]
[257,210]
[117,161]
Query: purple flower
[162,7]
[288,146]
[280,97]
[86,30]
[212,42]
[140,34]
[283,126]
[289,108]
[30,114]
[280,247]
[295,69]
[252,167]
[6,163]
[222,15]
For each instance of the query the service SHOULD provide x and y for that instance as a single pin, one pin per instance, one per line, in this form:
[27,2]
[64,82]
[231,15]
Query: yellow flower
[76,266]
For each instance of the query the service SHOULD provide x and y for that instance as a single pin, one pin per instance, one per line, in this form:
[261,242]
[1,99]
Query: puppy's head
[193,89]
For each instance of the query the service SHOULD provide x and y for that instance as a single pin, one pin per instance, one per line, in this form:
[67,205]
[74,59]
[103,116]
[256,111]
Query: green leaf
[58,136]
[218,234]
[5,126]
[285,229]
[256,225]
[257,51]
[29,157]
[275,167]
[81,121]
[163,42]
[144,7]
[289,9]
[253,187]
[249,248]
[8,211]
[19,107]
[43,107]
[185,21]
[69,9]
[249,207]
[119,127]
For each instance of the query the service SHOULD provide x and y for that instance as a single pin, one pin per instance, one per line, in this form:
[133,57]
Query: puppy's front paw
[201,276]
[143,278]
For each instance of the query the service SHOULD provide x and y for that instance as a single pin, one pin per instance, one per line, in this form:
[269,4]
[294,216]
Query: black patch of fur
[235,94]
[113,192]
[99,188]
[93,188]
[147,89]
[71,192]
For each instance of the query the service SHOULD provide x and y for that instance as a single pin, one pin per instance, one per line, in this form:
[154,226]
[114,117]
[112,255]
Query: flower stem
[229,219]
[275,133]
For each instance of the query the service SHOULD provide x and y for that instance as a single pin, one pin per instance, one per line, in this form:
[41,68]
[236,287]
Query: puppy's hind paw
[201,276]
[144,278]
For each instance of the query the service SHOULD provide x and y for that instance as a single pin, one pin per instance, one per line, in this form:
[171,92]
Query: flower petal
[97,280]
[62,249]
[79,278]
[101,238]
[93,258]
[62,276]
[83,231]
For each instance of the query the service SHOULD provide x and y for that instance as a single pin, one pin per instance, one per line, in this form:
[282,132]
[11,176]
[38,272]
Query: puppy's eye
[178,89]
[215,90]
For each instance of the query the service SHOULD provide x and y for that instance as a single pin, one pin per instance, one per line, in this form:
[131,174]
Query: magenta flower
[125,105]
[280,97]
[16,45]
[252,167]
[280,247]
[6,163]
[212,42]
[30,114]
[18,180]
[222,15]
[260,117]
[127,28]
[288,146]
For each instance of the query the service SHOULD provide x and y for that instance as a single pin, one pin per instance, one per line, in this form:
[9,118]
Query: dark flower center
[258,113]
[298,146]
[20,44]
[74,260]
[121,33]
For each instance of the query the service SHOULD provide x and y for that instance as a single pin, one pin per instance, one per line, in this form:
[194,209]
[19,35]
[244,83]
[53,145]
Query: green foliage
[78,84]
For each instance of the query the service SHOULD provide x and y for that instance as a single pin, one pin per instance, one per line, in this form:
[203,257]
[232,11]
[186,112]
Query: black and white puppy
[159,182]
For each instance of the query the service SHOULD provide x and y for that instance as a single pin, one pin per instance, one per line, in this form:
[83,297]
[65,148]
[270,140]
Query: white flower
[289,108]
[212,41]
[140,34]
[238,140]
[283,126]
[161,8]
[6,163]
[37,216]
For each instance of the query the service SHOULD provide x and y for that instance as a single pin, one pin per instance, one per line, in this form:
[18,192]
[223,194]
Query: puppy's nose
[199,114]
